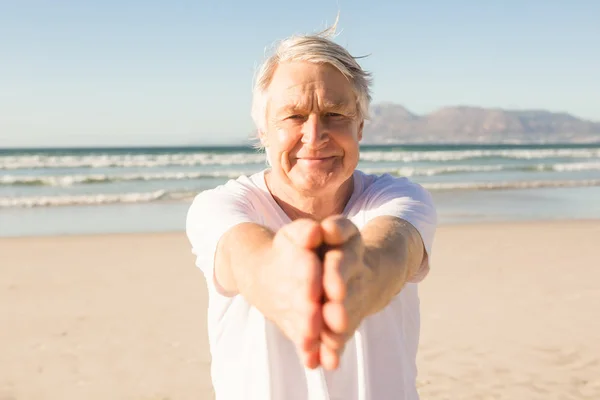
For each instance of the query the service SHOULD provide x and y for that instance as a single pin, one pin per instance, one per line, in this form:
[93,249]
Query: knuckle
[333,341]
[302,232]
[303,225]
[283,237]
[346,225]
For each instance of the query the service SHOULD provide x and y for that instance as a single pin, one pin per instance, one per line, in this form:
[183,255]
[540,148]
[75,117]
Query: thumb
[304,233]
[337,230]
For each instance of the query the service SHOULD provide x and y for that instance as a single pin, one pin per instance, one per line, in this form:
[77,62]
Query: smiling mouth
[315,158]
[314,162]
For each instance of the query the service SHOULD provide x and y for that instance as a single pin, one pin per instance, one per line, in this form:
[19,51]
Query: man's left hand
[346,280]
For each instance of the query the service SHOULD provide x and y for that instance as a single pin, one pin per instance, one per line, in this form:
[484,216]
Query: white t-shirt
[251,358]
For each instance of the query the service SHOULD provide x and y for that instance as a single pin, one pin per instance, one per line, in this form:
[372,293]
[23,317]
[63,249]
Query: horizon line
[248,146]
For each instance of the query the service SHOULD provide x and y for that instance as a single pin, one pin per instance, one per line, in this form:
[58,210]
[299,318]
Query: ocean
[116,190]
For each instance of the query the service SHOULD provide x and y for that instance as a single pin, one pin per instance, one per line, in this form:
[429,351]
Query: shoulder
[240,191]
[395,196]
[401,198]
[384,187]
[228,204]
[216,210]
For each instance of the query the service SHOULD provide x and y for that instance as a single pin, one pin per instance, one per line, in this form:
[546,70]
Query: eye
[333,115]
[295,116]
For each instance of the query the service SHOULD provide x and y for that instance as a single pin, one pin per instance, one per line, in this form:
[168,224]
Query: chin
[315,182]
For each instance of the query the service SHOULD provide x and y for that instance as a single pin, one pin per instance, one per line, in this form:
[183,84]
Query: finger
[312,277]
[311,359]
[308,343]
[311,331]
[310,356]
[329,358]
[335,341]
[340,265]
[335,317]
[305,233]
[338,230]
[333,279]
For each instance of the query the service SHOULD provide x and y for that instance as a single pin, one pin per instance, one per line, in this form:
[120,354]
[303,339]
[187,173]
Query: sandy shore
[510,311]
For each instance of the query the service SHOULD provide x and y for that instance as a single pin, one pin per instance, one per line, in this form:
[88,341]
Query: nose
[314,133]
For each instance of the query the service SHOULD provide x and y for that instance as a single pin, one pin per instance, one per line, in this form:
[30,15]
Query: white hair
[316,48]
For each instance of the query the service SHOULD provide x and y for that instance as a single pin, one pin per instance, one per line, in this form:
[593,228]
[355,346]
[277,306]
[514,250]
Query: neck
[317,207]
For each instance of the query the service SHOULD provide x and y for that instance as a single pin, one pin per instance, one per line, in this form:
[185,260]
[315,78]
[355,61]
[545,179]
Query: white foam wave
[70,180]
[127,160]
[94,199]
[570,167]
[450,169]
[453,169]
[194,159]
[410,156]
[162,195]
[510,185]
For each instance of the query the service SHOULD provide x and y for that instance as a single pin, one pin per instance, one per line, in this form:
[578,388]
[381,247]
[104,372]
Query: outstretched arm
[394,252]
[241,251]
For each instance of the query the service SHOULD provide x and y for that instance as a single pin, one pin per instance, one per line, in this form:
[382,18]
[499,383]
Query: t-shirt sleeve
[399,197]
[212,213]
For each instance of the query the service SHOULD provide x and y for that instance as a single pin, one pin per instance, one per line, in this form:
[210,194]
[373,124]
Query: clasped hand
[319,280]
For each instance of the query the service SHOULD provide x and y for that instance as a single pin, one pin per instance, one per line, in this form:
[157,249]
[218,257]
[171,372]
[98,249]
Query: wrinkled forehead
[310,86]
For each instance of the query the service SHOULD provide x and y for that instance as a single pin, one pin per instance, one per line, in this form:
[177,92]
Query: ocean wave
[510,185]
[83,179]
[569,167]
[38,161]
[420,171]
[129,161]
[70,180]
[164,195]
[93,199]
[411,156]
[457,169]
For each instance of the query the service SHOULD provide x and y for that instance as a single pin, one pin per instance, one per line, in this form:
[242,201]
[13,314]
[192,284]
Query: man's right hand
[281,275]
[292,286]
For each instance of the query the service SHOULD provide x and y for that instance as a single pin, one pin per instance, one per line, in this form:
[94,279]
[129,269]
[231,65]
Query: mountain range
[393,123]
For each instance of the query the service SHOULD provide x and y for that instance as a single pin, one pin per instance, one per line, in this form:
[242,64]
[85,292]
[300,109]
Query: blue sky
[85,73]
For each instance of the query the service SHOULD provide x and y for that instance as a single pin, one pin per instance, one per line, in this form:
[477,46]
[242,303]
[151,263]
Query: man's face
[313,128]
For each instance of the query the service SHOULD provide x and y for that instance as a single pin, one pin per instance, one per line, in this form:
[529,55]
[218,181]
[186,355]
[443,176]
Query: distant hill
[393,123]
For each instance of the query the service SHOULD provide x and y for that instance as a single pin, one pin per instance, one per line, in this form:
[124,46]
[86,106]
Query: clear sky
[119,72]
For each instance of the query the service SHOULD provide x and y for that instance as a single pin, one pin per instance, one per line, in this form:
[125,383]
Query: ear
[262,136]
[360,130]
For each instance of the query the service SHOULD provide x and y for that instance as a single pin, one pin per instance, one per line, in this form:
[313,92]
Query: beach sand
[509,311]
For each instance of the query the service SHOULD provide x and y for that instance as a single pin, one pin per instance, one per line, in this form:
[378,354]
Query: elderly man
[312,265]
